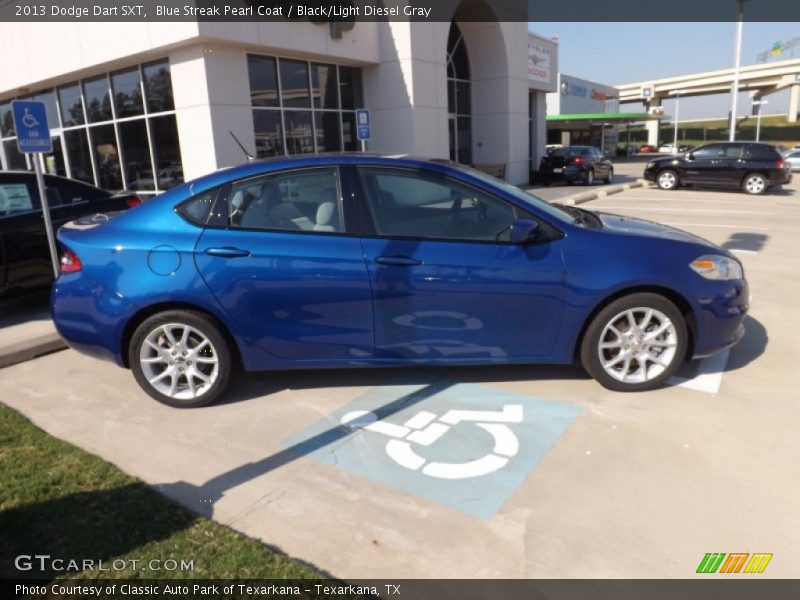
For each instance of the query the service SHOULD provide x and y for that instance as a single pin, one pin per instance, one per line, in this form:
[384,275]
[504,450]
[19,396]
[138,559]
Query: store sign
[573,89]
[598,95]
[539,65]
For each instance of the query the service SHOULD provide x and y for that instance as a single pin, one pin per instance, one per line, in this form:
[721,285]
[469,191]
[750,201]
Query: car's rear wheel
[635,343]
[181,358]
[755,183]
[667,180]
[610,176]
[589,180]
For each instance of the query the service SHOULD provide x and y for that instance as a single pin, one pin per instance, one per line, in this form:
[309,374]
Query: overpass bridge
[760,80]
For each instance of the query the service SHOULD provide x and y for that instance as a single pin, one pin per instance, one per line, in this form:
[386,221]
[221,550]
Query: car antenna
[249,156]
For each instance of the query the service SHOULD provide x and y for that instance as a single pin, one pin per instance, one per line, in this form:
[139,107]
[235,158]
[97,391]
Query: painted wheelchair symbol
[424,429]
[29,120]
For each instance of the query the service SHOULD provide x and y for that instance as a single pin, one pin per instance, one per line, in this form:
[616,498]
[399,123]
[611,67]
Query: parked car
[25,263]
[575,163]
[667,149]
[365,261]
[647,149]
[750,166]
[793,160]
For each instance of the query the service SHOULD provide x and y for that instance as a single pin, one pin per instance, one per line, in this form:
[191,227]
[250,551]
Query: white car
[793,159]
[667,149]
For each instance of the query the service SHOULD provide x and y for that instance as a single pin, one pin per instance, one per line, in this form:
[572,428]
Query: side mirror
[690,156]
[523,231]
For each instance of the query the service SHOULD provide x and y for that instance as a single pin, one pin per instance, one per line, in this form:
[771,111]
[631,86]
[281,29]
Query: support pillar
[654,125]
[794,103]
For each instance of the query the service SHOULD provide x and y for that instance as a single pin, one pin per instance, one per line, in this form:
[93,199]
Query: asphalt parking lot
[524,471]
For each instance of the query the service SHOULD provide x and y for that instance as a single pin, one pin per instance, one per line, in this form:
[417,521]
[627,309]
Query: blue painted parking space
[465,446]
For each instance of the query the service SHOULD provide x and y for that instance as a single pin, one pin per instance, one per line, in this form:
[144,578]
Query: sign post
[363,127]
[33,137]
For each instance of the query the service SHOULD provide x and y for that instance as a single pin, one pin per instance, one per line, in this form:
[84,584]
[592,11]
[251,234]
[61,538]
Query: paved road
[582,482]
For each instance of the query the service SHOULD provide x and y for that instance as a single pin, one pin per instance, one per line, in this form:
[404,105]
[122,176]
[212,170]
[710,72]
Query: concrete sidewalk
[27,331]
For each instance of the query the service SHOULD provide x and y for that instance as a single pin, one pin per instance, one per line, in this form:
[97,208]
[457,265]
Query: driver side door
[447,283]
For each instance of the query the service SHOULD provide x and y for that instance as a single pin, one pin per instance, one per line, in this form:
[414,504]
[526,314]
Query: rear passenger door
[287,268]
[732,166]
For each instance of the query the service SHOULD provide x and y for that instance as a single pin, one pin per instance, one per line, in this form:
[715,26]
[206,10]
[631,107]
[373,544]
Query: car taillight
[70,263]
[578,160]
[779,164]
[133,201]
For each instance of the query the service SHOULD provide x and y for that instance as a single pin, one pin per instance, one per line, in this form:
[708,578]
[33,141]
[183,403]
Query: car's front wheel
[667,180]
[635,343]
[755,184]
[610,177]
[181,358]
[589,180]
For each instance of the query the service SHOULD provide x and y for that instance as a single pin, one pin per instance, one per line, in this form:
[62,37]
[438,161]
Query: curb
[589,196]
[29,349]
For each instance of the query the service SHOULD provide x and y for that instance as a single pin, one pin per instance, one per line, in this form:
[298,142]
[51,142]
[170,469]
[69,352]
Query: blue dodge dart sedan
[359,260]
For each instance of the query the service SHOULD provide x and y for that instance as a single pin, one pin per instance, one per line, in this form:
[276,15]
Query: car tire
[667,179]
[610,177]
[589,180]
[642,331]
[181,358]
[754,184]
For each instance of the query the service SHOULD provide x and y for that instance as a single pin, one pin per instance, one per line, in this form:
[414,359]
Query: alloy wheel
[637,345]
[179,361]
[755,184]
[667,180]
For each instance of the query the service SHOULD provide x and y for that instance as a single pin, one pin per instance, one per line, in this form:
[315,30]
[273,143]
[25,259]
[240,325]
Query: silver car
[793,159]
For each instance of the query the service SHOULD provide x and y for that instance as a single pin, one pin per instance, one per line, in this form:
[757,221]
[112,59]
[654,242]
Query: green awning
[605,117]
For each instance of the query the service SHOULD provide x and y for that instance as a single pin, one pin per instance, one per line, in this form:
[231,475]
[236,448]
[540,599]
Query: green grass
[59,500]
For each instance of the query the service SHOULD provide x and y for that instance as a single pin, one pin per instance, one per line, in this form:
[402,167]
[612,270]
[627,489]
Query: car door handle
[398,261]
[227,252]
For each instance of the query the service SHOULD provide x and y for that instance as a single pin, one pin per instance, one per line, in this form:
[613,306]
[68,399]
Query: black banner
[349,11]
[739,588]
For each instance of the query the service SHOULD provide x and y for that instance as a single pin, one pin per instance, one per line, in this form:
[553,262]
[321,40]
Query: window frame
[367,220]
[221,210]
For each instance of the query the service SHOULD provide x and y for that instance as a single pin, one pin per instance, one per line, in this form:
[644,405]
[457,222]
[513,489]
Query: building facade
[147,105]
[586,101]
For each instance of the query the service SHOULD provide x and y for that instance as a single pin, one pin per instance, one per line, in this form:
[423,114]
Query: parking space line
[690,210]
[742,251]
[739,201]
[747,227]
[709,374]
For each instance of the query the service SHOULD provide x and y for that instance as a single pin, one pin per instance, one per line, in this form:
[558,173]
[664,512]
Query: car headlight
[712,266]
[651,164]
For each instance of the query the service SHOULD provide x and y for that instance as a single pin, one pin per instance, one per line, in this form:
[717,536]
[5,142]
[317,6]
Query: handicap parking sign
[465,446]
[30,122]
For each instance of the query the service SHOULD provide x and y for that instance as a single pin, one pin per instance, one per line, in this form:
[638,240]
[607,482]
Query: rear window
[562,152]
[762,152]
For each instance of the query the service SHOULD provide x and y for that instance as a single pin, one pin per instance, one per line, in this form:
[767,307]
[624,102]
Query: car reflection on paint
[358,260]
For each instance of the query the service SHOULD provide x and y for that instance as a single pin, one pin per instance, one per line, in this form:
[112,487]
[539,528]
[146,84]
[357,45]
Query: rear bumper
[569,173]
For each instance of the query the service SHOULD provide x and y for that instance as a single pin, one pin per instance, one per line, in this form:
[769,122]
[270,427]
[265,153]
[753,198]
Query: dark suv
[749,166]
[575,163]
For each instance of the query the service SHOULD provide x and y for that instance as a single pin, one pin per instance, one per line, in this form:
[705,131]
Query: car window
[733,151]
[794,155]
[72,192]
[197,209]
[762,152]
[304,200]
[425,205]
[16,198]
[710,151]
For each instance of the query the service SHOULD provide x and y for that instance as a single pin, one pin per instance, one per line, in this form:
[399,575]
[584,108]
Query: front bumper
[720,318]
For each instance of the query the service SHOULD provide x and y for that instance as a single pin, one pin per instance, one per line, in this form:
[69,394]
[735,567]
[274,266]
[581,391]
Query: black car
[25,263]
[749,166]
[575,163]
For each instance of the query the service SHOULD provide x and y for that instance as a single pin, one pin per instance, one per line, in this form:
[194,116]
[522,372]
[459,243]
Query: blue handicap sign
[30,121]
[363,124]
[465,446]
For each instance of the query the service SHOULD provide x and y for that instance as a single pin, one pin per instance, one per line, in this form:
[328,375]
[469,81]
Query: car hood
[642,227]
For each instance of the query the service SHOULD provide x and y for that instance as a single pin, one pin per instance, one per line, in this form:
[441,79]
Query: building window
[459,104]
[302,107]
[117,130]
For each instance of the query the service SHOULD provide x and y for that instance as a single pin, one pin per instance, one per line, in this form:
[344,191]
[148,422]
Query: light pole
[737,63]
[760,103]
[677,94]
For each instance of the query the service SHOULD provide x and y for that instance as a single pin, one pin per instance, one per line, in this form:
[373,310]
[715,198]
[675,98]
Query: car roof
[268,165]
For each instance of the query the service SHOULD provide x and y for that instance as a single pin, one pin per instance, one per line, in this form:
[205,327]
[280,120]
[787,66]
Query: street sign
[30,121]
[33,137]
[363,124]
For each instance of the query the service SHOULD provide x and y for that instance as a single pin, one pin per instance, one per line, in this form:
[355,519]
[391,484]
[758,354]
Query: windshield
[517,193]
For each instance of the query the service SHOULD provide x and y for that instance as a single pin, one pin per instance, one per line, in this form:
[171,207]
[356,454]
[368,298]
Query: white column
[794,103]
[653,126]
[538,131]
[212,97]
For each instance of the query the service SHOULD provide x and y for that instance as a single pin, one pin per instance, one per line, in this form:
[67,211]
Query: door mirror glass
[690,156]
[524,231]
